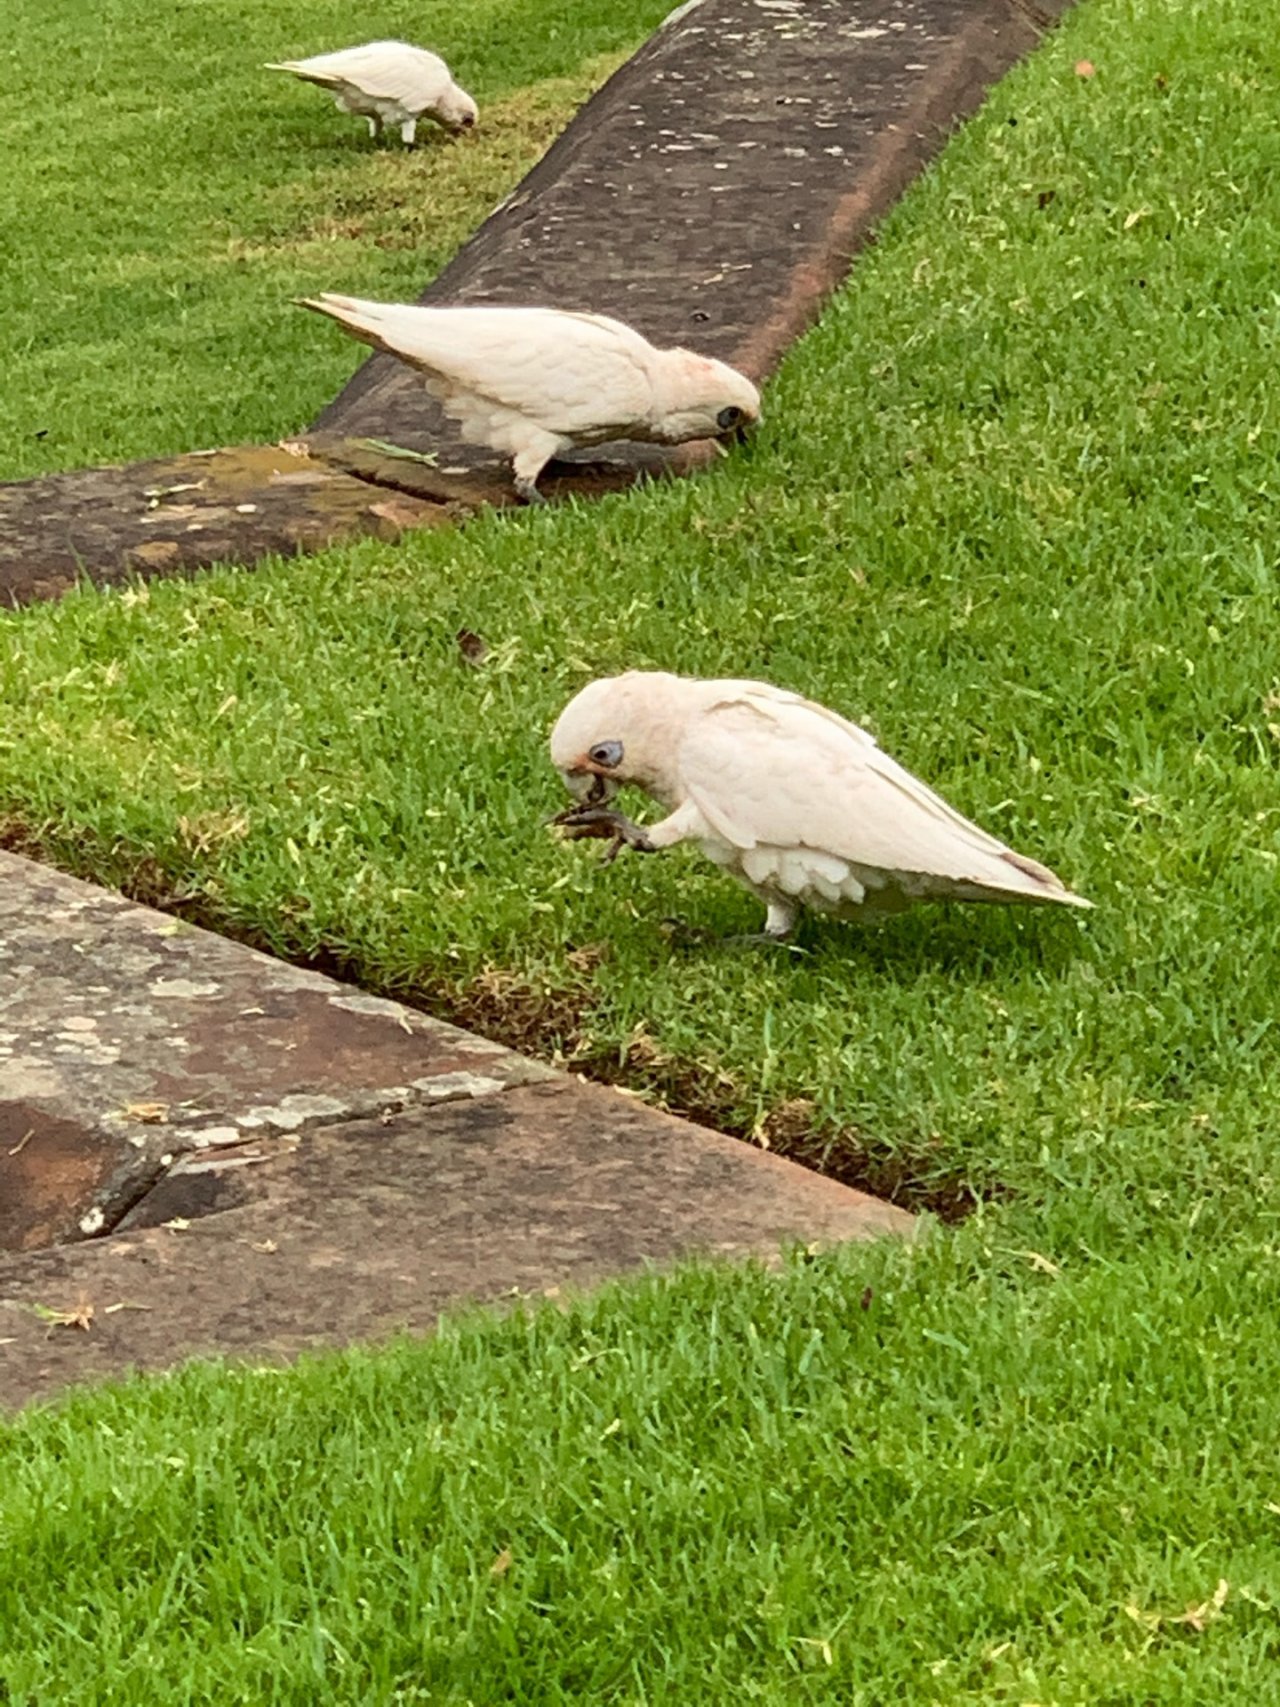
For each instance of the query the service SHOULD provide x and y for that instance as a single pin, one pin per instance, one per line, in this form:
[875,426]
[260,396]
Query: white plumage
[532,382]
[388,83]
[793,800]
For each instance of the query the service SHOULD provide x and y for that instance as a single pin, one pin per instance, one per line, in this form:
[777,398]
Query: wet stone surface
[368,1228]
[712,193]
[128,1039]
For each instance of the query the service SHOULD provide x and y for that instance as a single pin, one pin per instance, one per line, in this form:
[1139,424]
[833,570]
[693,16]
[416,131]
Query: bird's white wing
[766,768]
[570,372]
[387,70]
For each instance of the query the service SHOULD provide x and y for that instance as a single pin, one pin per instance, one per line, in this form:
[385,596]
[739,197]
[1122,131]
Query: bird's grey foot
[603,823]
[780,921]
[528,491]
[757,939]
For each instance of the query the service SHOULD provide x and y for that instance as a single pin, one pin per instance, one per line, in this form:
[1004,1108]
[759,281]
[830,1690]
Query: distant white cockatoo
[798,804]
[389,83]
[532,382]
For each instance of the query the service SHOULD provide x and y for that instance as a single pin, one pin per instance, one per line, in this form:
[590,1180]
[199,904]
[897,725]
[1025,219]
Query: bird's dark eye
[728,418]
[608,754]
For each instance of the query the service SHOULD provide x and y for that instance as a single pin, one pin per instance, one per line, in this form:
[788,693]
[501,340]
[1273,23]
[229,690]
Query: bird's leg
[375,127]
[779,922]
[535,452]
[408,130]
[780,919]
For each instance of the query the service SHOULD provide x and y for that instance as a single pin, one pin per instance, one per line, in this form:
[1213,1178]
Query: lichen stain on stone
[211,1137]
[26,1078]
[184,989]
[299,1109]
[450,1087]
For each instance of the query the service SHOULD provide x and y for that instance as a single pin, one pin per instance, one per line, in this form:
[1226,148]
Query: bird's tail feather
[326,79]
[364,320]
[1045,885]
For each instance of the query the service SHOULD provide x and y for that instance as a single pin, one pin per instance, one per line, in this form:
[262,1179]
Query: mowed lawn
[1014,507]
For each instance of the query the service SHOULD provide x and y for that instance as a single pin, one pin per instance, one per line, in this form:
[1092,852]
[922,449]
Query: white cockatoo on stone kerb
[533,382]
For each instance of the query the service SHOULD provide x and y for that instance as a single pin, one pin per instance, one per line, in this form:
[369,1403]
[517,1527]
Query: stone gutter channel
[206,1151]
[712,193]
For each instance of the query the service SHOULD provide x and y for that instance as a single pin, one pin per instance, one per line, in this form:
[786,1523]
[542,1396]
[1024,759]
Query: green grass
[1014,506]
[989,1485]
[165,198]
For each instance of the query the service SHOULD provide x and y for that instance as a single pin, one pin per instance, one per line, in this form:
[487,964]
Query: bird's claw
[603,823]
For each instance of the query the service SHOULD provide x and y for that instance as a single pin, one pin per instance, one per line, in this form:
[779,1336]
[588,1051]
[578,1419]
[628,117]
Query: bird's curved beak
[588,783]
[734,436]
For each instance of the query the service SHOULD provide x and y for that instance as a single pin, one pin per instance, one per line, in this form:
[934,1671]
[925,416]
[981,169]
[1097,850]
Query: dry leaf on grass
[502,1564]
[1040,1263]
[1085,68]
[588,957]
[206,832]
[1196,1618]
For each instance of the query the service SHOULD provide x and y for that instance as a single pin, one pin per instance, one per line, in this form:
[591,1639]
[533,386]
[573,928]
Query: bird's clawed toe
[759,939]
[603,823]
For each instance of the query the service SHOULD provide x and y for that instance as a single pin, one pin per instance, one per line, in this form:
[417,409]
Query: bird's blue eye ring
[728,418]
[607,753]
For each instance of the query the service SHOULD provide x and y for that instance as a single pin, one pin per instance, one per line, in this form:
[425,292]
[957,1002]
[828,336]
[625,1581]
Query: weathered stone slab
[364,1229]
[128,1039]
[182,513]
[712,193]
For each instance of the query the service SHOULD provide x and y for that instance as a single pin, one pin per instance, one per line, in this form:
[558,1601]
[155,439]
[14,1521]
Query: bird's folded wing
[570,372]
[390,71]
[780,771]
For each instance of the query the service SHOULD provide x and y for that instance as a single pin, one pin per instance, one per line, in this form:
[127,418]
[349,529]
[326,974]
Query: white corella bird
[533,382]
[794,801]
[389,83]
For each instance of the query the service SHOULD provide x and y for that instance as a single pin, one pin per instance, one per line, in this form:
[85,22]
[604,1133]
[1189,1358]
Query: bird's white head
[457,110]
[702,398]
[621,729]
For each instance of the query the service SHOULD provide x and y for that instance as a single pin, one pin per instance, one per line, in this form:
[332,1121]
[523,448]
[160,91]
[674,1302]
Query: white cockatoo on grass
[532,382]
[389,83]
[795,802]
